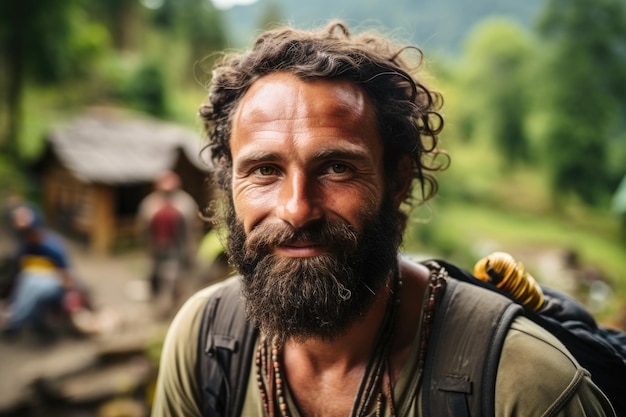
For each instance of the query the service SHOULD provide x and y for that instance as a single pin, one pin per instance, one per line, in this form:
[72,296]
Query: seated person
[44,277]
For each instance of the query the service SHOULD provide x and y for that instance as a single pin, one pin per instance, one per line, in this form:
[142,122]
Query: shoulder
[532,341]
[177,385]
[414,277]
[148,205]
[53,246]
[184,201]
[537,375]
[54,241]
[185,327]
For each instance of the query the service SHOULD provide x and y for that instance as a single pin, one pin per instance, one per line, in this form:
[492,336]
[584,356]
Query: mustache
[333,234]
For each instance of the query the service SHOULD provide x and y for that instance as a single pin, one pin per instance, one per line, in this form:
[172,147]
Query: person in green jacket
[322,141]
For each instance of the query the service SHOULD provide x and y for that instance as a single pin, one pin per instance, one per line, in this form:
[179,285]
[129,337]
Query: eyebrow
[341,154]
[321,155]
[255,157]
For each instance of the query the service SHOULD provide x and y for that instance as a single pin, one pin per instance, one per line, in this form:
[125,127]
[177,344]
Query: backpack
[456,381]
[166,226]
[225,346]
[469,303]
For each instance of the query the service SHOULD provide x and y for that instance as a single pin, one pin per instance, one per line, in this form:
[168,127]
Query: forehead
[283,96]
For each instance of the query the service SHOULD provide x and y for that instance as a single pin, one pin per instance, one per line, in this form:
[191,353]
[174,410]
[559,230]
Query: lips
[299,248]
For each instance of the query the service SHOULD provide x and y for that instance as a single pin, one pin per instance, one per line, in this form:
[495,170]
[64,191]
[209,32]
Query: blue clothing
[50,254]
[39,287]
[34,296]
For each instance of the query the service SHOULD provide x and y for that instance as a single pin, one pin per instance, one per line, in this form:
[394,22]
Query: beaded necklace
[377,378]
[376,381]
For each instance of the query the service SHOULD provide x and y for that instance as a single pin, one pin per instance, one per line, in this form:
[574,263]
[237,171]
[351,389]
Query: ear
[402,182]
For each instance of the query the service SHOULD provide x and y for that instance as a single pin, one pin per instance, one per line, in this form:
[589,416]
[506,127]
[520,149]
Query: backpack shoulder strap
[225,345]
[466,338]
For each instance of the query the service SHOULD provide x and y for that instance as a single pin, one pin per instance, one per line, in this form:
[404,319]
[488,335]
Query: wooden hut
[96,169]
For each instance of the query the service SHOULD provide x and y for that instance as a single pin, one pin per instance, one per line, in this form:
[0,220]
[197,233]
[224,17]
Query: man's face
[314,230]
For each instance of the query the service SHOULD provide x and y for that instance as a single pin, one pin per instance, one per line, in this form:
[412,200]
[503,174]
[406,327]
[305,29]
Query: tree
[122,18]
[581,90]
[196,21]
[44,42]
[494,86]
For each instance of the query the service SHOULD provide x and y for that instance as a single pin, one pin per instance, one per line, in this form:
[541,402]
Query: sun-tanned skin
[322,142]
[304,150]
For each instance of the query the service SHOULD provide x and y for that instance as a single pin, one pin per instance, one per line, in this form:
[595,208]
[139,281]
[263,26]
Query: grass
[467,231]
[487,204]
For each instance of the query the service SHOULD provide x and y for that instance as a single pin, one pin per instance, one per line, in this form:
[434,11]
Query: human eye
[265,171]
[337,168]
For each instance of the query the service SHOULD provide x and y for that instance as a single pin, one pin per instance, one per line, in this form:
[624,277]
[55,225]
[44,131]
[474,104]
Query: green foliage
[577,158]
[580,91]
[147,91]
[51,40]
[198,22]
[120,17]
[99,52]
[12,180]
[465,232]
[44,42]
[493,75]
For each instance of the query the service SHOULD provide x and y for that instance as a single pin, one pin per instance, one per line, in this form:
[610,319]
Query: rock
[98,383]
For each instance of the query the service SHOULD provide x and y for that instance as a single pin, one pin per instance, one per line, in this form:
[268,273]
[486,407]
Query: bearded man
[319,138]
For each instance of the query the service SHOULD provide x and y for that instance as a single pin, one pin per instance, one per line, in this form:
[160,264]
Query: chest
[338,397]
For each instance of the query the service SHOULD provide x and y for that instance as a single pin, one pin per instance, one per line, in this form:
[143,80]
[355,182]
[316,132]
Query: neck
[334,370]
[350,368]
[347,351]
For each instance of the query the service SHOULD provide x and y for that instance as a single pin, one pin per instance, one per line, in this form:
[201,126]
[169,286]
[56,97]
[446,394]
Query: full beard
[319,296]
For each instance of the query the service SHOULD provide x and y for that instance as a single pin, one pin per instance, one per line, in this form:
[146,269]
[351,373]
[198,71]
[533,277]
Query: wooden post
[103,225]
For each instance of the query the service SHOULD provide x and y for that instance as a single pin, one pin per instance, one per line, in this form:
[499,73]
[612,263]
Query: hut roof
[115,147]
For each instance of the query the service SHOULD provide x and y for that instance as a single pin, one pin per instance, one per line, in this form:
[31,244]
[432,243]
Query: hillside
[436,26]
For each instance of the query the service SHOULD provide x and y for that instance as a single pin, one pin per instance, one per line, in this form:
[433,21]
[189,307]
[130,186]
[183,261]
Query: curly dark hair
[406,110]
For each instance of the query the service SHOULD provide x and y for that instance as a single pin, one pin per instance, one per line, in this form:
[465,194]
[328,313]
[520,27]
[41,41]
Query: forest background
[535,99]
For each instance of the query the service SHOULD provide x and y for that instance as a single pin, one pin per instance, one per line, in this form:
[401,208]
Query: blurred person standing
[167,223]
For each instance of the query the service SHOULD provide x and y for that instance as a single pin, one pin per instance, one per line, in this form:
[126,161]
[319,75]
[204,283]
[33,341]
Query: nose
[298,202]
